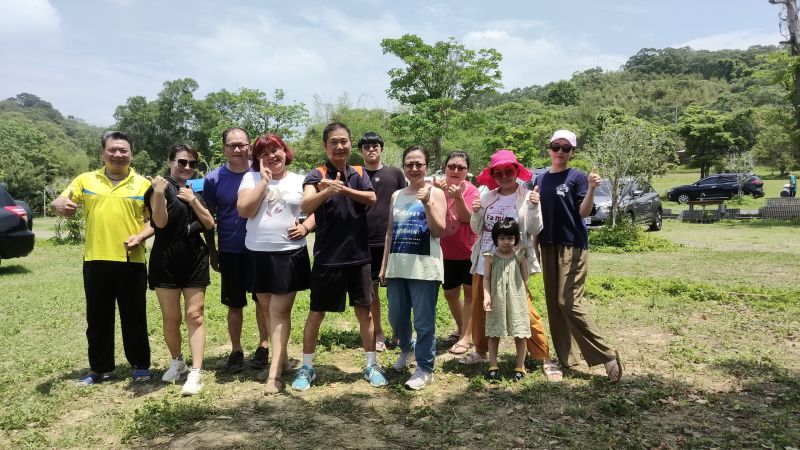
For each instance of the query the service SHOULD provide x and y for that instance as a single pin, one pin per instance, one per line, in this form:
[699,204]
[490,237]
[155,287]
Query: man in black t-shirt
[385,180]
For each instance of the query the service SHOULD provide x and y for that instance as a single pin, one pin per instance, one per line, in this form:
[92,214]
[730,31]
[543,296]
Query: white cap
[565,134]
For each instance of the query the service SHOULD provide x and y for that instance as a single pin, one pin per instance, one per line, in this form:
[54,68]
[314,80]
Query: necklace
[114,179]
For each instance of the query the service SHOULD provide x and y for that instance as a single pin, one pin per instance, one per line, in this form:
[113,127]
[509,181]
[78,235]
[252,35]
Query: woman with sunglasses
[269,197]
[457,242]
[567,197]
[507,198]
[179,262]
[412,265]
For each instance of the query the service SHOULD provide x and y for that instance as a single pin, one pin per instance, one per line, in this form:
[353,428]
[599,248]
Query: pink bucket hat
[502,157]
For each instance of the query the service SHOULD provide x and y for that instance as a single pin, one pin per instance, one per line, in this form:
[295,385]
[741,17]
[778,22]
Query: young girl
[504,297]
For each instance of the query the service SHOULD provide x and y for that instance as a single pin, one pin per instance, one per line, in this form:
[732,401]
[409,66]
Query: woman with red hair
[269,197]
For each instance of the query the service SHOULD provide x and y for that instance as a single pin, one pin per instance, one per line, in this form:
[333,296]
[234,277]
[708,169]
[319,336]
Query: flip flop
[459,348]
[92,378]
[473,358]
[380,346]
[141,375]
[551,372]
[620,369]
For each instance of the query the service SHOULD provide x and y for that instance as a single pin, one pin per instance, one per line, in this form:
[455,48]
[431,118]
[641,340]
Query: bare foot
[614,369]
[551,371]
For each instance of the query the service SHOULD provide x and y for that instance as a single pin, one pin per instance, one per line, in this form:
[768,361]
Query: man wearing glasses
[114,271]
[220,192]
[385,180]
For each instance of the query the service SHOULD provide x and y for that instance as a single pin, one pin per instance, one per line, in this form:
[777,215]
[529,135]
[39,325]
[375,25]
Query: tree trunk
[793,28]
[437,154]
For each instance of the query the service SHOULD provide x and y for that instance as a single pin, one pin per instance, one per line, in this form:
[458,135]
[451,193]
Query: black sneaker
[235,362]
[260,359]
[493,375]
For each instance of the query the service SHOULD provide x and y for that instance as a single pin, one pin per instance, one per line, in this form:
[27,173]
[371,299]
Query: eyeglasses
[234,145]
[456,168]
[414,165]
[185,162]
[566,148]
[369,146]
[505,173]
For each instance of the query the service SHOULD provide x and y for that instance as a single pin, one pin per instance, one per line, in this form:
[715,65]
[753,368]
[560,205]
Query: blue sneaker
[305,376]
[375,376]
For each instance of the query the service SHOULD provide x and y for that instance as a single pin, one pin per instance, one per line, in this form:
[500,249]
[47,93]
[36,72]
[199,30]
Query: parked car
[638,203]
[16,225]
[719,186]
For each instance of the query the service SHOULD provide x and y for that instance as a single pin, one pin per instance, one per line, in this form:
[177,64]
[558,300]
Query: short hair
[116,135]
[505,227]
[335,126]
[417,148]
[457,154]
[267,142]
[370,137]
[228,130]
[177,148]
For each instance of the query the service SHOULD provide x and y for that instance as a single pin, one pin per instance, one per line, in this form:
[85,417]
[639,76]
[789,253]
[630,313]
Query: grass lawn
[709,334]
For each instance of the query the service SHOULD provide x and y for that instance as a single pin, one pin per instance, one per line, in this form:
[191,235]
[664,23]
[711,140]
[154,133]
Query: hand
[65,206]
[132,242]
[382,275]
[455,191]
[424,194]
[332,187]
[266,174]
[594,178]
[297,231]
[186,194]
[159,184]
[441,184]
[534,196]
[487,304]
[476,204]
[213,260]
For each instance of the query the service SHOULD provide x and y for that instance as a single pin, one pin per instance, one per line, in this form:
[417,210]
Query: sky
[87,57]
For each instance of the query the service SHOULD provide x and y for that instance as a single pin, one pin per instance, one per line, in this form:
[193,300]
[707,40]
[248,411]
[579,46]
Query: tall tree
[790,23]
[438,83]
[710,135]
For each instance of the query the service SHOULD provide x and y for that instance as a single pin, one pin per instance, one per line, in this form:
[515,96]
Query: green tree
[710,135]
[438,83]
[775,145]
[563,92]
[633,148]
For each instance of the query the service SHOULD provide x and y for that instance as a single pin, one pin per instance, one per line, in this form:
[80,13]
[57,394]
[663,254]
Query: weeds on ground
[625,237]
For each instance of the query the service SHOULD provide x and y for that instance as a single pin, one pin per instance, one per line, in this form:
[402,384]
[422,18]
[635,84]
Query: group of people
[375,225]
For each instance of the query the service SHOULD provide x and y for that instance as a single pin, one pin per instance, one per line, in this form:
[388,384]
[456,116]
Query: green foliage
[777,141]
[723,64]
[156,417]
[563,93]
[710,134]
[627,238]
[70,229]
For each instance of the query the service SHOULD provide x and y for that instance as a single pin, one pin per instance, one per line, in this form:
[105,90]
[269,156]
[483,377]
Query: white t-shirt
[268,231]
[505,206]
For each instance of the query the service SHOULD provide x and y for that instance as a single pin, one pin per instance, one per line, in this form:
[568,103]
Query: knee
[194,316]
[362,313]
[172,324]
[315,317]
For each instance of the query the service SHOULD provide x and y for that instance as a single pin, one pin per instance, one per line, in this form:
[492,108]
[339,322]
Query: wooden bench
[702,217]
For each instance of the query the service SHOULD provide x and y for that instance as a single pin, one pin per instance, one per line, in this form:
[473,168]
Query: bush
[626,237]
[70,230]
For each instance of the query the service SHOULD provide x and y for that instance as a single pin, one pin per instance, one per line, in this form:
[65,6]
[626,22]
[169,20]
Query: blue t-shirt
[221,191]
[561,195]
[341,237]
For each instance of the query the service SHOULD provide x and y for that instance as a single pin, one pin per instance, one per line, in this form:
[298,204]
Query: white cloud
[25,19]
[733,40]
[540,60]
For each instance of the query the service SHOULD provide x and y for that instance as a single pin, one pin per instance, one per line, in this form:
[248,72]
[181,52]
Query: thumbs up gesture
[476,204]
[440,183]
[534,195]
[424,194]
[594,178]
[65,206]
[159,184]
[334,186]
[455,191]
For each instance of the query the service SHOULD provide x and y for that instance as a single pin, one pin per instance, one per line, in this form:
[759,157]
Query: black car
[638,203]
[16,223]
[719,186]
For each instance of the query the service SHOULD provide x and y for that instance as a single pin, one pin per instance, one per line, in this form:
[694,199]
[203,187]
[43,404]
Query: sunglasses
[456,168]
[414,165]
[566,148]
[185,162]
[505,173]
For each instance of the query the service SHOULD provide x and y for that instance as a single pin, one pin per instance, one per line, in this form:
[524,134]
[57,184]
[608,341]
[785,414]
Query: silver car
[638,203]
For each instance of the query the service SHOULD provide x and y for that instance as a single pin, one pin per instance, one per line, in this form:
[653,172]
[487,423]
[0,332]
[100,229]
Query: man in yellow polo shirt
[114,261]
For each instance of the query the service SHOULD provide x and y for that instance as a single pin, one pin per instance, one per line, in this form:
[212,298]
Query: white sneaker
[194,383]
[404,360]
[176,368]
[419,380]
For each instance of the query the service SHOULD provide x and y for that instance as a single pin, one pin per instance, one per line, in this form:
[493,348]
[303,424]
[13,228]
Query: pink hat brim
[485,178]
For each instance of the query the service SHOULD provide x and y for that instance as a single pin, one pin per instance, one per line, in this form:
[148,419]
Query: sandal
[493,375]
[551,372]
[473,358]
[92,378]
[141,375]
[380,346]
[459,348]
[620,368]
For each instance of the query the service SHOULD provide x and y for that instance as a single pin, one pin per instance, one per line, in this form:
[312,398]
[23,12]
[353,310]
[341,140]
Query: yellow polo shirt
[113,214]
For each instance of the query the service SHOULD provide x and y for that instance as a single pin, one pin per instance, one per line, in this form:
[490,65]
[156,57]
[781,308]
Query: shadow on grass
[15,269]
[120,375]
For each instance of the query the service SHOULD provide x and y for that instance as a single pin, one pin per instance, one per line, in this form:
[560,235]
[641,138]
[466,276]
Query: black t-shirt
[182,223]
[341,236]
[561,195]
[385,181]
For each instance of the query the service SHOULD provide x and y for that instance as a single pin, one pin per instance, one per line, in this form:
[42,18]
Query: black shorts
[331,285]
[456,273]
[280,272]
[376,256]
[236,276]
[181,265]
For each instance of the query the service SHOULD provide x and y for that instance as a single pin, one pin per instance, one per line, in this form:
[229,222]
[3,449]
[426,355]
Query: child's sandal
[493,374]
[519,374]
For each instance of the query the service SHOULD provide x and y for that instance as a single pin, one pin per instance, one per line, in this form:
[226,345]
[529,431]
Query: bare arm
[387,243]
[487,283]
[158,202]
[588,202]
[476,219]
[435,211]
[64,206]
[463,211]
[249,200]
[203,215]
